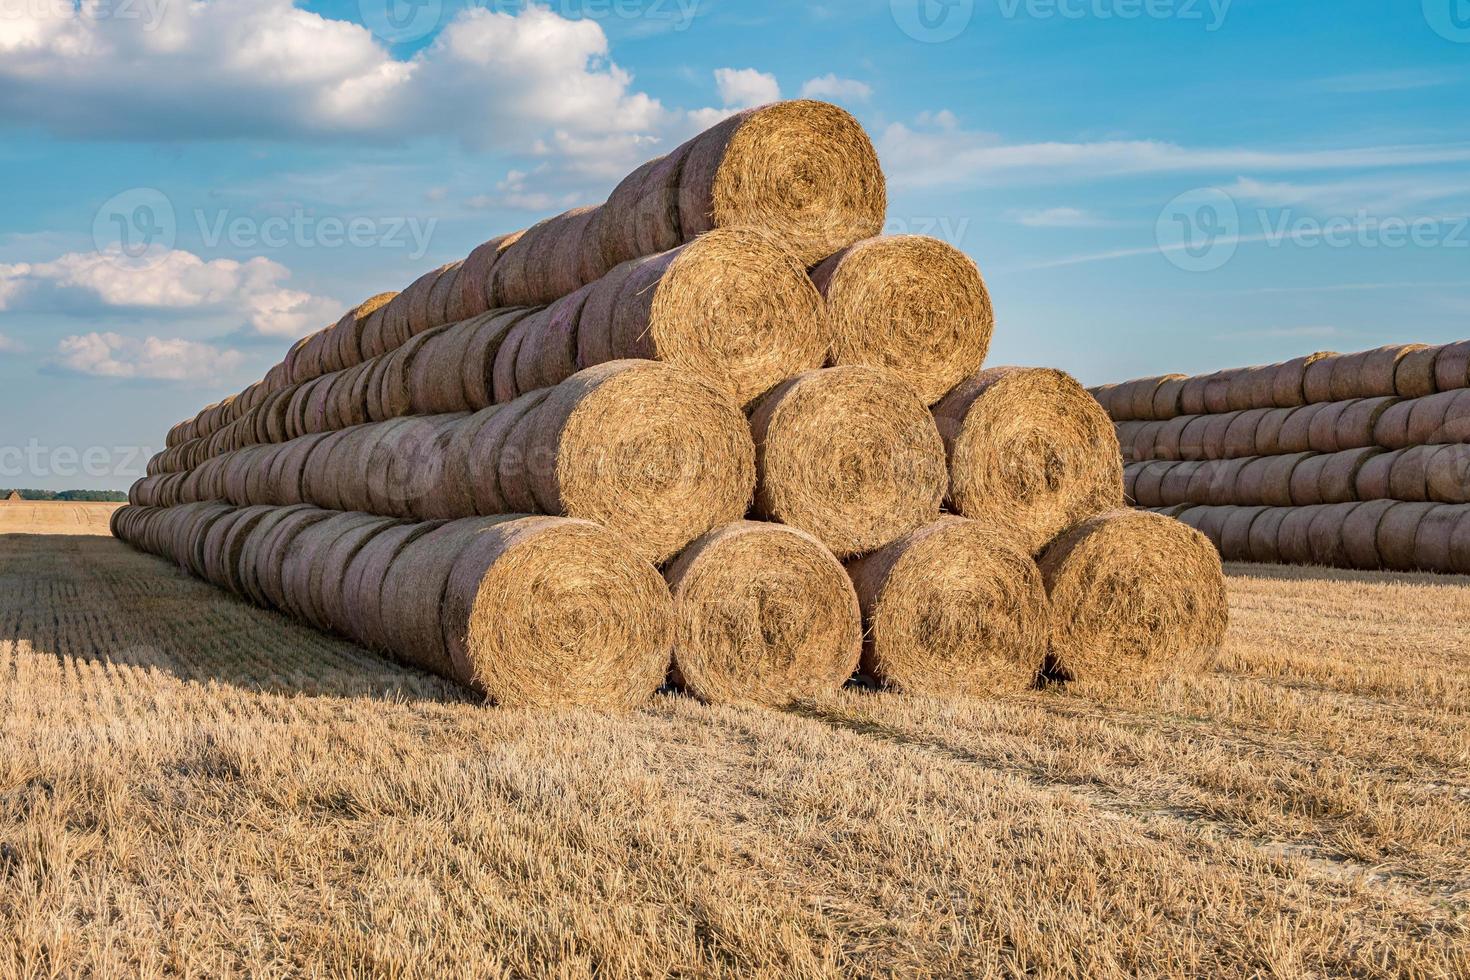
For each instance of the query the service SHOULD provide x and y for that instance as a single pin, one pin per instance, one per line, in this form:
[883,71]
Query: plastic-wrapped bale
[763,614]
[849,455]
[912,305]
[1133,594]
[1029,448]
[955,607]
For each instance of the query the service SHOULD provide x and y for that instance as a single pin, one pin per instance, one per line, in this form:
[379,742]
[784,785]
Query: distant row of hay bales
[713,433]
[1356,434]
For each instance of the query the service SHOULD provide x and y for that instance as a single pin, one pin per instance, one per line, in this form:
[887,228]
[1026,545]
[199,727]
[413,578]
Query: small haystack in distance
[14,498]
[956,607]
[547,611]
[1029,448]
[910,304]
[764,614]
[850,455]
[1133,594]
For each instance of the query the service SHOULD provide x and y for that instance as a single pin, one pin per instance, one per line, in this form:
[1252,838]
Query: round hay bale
[549,354]
[1217,391]
[1358,422]
[1317,378]
[277,548]
[1213,436]
[1398,535]
[1174,486]
[503,386]
[1460,544]
[411,596]
[488,454]
[1210,521]
[1166,398]
[1235,533]
[1127,433]
[303,571]
[441,297]
[1457,420]
[1133,595]
[912,305]
[1226,479]
[1348,379]
[1142,405]
[546,612]
[1192,437]
[1130,479]
[1192,397]
[1360,534]
[1146,490]
[362,582]
[436,374]
[1434,544]
[333,600]
[1294,537]
[1452,367]
[955,607]
[1427,419]
[478,341]
[641,216]
[650,452]
[513,472]
[1144,445]
[732,307]
[1240,437]
[850,455]
[1378,377]
[1288,387]
[1202,484]
[1265,530]
[805,169]
[1409,477]
[1447,474]
[252,548]
[1391,431]
[1322,433]
[1339,480]
[1255,388]
[1030,449]
[1326,538]
[1167,444]
[473,283]
[1296,431]
[1373,481]
[401,465]
[763,614]
[1275,477]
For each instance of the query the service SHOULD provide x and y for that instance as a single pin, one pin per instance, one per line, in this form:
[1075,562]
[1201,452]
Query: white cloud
[9,345]
[171,280]
[1377,194]
[746,87]
[110,355]
[1058,218]
[267,69]
[831,87]
[936,151]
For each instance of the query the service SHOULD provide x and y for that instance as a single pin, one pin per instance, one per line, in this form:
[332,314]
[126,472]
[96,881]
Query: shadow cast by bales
[1321,573]
[92,600]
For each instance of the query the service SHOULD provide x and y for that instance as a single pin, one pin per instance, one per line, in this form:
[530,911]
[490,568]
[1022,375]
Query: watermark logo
[947,228]
[39,461]
[138,227]
[148,14]
[933,21]
[1450,19]
[1199,230]
[401,21]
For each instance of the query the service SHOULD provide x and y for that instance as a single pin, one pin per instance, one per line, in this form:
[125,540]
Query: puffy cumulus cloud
[746,87]
[111,355]
[168,280]
[267,69]
[841,89]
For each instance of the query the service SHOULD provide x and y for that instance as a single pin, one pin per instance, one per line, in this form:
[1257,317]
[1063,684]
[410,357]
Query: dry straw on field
[1133,594]
[764,614]
[850,455]
[956,607]
[544,611]
[1031,449]
[912,305]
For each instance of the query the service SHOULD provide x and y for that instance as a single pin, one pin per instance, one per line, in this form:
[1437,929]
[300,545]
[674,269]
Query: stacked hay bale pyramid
[1346,460]
[716,431]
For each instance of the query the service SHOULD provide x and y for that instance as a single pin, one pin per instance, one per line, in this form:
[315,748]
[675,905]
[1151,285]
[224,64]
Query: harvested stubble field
[193,786]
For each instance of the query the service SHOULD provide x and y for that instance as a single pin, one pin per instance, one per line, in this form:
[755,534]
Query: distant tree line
[72,496]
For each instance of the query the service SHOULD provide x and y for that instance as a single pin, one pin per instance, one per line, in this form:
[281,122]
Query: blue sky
[1147,185]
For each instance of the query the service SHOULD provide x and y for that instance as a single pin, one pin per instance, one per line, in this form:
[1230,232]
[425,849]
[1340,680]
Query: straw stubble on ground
[192,785]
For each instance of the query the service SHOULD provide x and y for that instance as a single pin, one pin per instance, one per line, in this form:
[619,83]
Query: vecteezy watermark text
[40,461]
[140,226]
[147,14]
[937,21]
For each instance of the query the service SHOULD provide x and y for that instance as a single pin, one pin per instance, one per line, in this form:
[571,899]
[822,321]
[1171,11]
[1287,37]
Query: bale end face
[764,615]
[1133,595]
[957,606]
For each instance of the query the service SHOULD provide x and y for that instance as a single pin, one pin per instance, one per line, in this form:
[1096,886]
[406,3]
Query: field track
[189,785]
